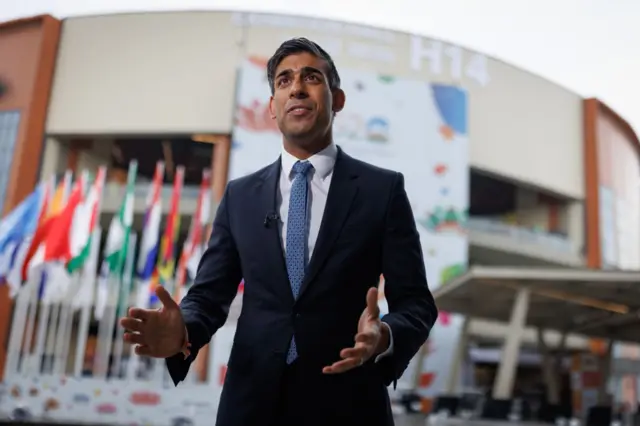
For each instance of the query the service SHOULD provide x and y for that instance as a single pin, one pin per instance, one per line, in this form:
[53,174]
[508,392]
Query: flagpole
[76,284]
[47,301]
[16,333]
[89,278]
[65,323]
[167,258]
[133,362]
[29,303]
[15,232]
[103,284]
[115,255]
[68,290]
[148,255]
[124,302]
[23,319]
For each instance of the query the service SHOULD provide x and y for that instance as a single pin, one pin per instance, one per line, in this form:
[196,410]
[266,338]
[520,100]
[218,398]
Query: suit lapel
[342,192]
[271,244]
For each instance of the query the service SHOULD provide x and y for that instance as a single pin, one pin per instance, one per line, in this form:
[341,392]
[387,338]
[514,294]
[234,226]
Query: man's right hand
[158,333]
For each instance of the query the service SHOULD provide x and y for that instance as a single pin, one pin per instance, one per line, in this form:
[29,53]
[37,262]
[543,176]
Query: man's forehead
[301,61]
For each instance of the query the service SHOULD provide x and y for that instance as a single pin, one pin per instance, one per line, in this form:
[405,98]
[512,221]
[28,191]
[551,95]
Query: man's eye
[312,77]
[283,81]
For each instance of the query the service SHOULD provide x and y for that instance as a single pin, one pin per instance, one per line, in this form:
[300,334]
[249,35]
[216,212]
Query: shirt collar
[322,161]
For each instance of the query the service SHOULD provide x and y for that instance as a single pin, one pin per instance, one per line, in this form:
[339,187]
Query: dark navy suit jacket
[367,229]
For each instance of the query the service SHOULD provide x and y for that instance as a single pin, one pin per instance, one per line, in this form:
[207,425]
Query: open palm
[158,333]
[366,341]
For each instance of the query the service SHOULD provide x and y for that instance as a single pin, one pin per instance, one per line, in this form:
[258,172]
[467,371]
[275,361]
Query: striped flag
[165,266]
[16,230]
[57,246]
[151,226]
[117,244]
[35,254]
[84,223]
[120,227]
[193,246]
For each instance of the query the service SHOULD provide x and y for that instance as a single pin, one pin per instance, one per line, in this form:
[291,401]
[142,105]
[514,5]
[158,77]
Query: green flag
[120,228]
[86,218]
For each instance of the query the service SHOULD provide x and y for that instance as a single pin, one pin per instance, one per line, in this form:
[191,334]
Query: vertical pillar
[219,171]
[50,158]
[76,149]
[549,367]
[605,372]
[503,386]
[459,357]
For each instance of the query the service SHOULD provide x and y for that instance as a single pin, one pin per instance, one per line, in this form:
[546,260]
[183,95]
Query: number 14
[437,53]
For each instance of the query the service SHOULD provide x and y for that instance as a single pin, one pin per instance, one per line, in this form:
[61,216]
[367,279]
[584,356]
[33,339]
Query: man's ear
[272,109]
[339,99]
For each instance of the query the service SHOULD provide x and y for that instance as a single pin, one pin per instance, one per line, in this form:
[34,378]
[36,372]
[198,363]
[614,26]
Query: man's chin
[298,133]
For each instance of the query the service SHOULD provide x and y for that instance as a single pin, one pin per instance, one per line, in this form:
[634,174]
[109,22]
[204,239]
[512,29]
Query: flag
[17,261]
[36,253]
[84,223]
[58,239]
[115,251]
[165,266]
[15,237]
[151,226]
[56,251]
[18,225]
[22,220]
[192,249]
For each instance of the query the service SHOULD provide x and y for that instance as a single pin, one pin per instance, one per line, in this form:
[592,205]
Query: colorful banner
[414,127]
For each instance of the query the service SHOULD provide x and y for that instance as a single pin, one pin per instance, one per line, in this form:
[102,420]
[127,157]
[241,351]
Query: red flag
[53,236]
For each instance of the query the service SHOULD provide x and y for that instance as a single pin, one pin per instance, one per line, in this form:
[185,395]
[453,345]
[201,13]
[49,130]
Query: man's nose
[297,89]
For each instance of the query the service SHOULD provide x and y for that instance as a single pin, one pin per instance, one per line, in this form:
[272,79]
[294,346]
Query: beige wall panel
[175,72]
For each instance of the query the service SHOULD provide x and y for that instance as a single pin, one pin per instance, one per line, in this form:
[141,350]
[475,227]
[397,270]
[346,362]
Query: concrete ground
[411,420]
[421,420]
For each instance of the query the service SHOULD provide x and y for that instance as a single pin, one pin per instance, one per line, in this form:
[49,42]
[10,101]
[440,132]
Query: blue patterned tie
[296,246]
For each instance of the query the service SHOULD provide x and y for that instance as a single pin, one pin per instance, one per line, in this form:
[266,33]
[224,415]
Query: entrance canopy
[604,304]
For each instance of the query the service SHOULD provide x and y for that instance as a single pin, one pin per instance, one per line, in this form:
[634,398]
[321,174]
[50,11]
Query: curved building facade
[502,166]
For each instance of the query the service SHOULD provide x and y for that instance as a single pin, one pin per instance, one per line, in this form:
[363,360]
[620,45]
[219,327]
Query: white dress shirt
[319,181]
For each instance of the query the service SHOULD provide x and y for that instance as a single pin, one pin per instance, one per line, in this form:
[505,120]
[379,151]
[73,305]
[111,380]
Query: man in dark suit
[310,234]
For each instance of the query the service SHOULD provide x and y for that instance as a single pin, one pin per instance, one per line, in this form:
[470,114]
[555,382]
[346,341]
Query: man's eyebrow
[284,72]
[312,70]
[305,70]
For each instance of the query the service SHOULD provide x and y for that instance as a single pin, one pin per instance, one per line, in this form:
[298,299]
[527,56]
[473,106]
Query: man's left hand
[372,338]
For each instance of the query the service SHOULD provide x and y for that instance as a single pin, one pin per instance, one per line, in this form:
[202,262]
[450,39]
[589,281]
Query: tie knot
[302,168]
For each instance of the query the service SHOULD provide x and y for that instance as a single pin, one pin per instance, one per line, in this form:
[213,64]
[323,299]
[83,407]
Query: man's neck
[304,152]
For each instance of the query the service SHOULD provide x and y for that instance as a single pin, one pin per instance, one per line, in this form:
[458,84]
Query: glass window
[9,122]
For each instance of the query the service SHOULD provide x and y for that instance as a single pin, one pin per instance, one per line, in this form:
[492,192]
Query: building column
[459,357]
[550,371]
[604,367]
[574,224]
[503,386]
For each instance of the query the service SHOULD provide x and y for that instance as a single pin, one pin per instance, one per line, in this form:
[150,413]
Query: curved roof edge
[345,21]
[25,21]
[624,124]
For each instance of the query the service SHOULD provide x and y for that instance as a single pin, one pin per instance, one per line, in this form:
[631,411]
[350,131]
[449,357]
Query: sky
[584,45]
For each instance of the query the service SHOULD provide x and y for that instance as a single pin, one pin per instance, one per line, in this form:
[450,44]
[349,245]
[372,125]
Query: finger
[342,366]
[372,302]
[131,324]
[366,338]
[141,314]
[134,338]
[143,350]
[360,352]
[165,298]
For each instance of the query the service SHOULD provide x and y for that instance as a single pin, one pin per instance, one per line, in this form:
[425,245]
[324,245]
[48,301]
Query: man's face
[303,103]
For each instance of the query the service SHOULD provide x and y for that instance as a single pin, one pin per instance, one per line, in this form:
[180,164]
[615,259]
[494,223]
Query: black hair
[300,45]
